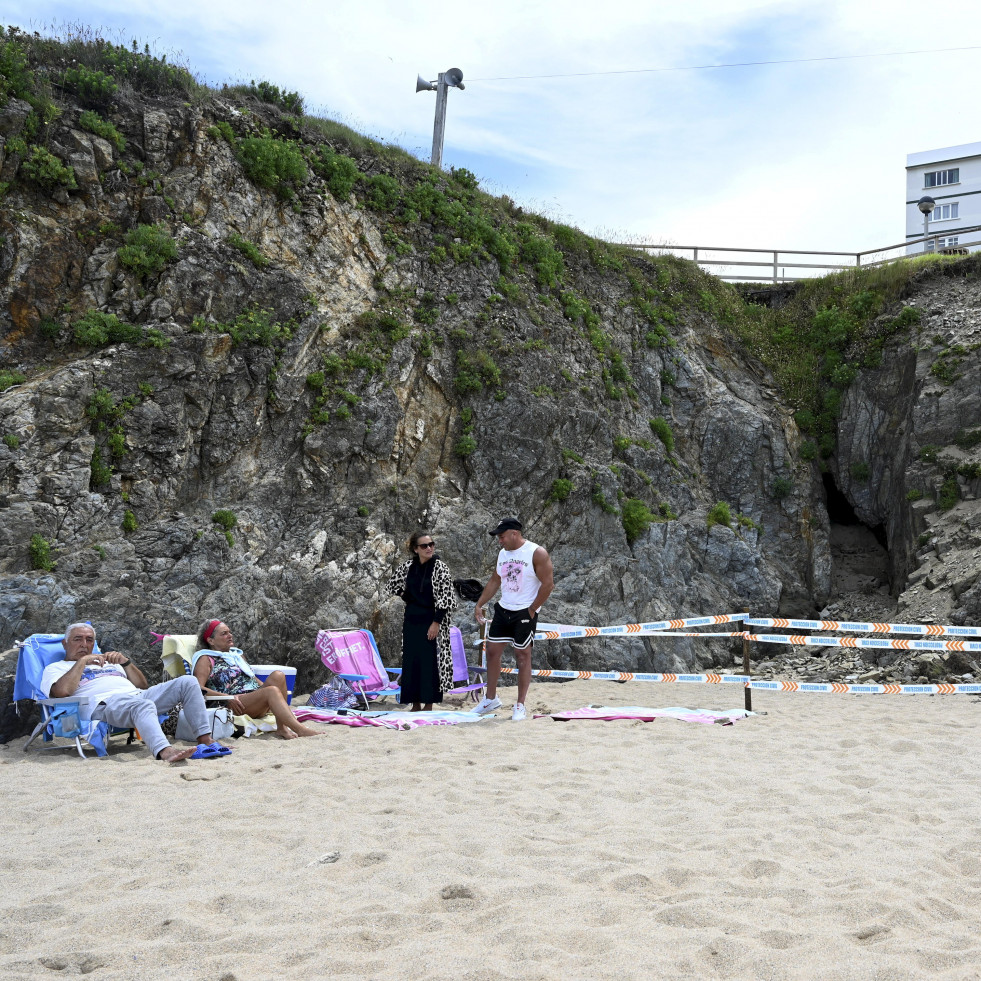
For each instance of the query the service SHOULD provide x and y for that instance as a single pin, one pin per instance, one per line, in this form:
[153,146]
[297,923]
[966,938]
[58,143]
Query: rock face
[348,383]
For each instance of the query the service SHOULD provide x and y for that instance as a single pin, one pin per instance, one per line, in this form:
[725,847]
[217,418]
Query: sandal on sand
[210,752]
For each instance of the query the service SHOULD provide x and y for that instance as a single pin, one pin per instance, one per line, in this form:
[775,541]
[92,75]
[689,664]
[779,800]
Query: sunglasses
[426,545]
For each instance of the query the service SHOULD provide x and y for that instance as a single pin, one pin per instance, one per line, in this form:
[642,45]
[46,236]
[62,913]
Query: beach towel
[389,720]
[602,713]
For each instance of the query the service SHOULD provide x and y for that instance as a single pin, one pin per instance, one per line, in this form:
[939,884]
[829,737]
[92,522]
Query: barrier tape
[927,630]
[673,628]
[802,640]
[837,688]
[561,631]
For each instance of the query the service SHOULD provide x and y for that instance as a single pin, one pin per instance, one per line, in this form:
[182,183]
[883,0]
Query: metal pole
[774,266]
[440,123]
[748,691]
[926,231]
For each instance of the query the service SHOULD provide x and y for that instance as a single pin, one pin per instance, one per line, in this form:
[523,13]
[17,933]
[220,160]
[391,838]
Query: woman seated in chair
[221,669]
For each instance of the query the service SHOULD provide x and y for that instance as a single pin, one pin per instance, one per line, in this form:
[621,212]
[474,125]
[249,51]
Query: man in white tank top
[525,577]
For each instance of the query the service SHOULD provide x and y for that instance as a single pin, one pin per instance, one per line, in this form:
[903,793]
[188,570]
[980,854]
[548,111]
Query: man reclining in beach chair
[124,696]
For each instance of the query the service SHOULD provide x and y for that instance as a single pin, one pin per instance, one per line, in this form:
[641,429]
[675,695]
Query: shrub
[662,430]
[541,254]
[45,170]
[9,378]
[636,519]
[291,102]
[571,455]
[966,439]
[340,172]
[130,523]
[465,445]
[561,489]
[40,553]
[364,511]
[474,371]
[223,131]
[12,440]
[599,499]
[248,249]
[94,88]
[914,495]
[49,328]
[719,515]
[950,494]
[100,473]
[94,123]
[147,249]
[861,471]
[782,488]
[272,163]
[383,194]
[224,518]
[808,451]
[95,328]
[257,327]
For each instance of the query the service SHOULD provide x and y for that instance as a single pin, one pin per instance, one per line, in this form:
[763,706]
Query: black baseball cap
[507,524]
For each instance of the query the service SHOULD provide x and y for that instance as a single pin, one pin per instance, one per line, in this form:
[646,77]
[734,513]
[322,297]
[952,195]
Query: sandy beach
[833,837]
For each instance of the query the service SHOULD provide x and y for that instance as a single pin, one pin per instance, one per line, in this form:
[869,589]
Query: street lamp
[926,205]
[452,77]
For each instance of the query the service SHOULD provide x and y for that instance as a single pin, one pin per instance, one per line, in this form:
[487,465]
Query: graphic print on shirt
[512,575]
[96,672]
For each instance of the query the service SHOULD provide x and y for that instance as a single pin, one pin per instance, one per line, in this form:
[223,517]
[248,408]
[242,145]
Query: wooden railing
[774,267]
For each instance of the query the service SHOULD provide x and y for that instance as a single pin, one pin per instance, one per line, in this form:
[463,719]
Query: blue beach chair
[68,718]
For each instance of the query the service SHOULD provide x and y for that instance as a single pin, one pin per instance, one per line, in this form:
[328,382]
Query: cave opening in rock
[840,511]
[859,552]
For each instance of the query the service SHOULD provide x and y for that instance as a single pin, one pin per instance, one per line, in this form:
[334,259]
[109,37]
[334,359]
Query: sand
[833,837]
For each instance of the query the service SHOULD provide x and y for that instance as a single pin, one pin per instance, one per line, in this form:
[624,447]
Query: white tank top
[519,584]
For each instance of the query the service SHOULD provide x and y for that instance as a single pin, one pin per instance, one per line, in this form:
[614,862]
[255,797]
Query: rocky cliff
[246,353]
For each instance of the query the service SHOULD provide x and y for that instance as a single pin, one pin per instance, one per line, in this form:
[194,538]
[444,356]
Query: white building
[952,177]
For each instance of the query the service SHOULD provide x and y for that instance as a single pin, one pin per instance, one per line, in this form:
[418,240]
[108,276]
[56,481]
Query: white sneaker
[486,705]
[519,714]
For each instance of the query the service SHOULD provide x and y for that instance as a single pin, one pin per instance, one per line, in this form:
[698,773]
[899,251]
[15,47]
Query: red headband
[210,629]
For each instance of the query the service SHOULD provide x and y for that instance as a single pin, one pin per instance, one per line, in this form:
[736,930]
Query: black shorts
[515,627]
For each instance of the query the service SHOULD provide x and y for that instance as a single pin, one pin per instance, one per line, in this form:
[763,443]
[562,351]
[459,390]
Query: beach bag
[336,694]
[468,589]
[222,725]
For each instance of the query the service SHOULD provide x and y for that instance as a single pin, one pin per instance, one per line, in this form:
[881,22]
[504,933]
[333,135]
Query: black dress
[420,675]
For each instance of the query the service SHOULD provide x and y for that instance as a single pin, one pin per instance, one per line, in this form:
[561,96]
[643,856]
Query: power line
[734,64]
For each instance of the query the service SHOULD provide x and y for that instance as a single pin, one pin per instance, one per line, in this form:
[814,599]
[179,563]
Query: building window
[947,243]
[937,178]
[944,212]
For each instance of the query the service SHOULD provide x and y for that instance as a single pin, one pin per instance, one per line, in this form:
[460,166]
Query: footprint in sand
[780,939]
[637,882]
[761,867]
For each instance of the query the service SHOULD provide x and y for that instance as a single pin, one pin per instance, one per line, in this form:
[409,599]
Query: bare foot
[286,734]
[309,732]
[174,755]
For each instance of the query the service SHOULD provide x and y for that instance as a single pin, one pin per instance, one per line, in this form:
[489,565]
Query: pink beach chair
[352,654]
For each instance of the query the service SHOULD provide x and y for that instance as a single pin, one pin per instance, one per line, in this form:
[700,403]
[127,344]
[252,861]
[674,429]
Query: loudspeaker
[454,77]
[423,86]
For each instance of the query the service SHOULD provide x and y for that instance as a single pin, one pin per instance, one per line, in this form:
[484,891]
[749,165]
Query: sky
[808,155]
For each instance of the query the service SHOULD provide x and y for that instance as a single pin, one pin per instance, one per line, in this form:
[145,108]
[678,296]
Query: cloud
[801,155]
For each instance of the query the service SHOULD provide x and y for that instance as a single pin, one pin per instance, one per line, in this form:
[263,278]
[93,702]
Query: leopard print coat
[444,595]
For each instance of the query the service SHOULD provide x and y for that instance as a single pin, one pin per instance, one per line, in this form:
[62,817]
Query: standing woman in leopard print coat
[425,585]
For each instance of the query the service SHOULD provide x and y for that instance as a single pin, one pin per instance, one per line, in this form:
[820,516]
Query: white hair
[77,626]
